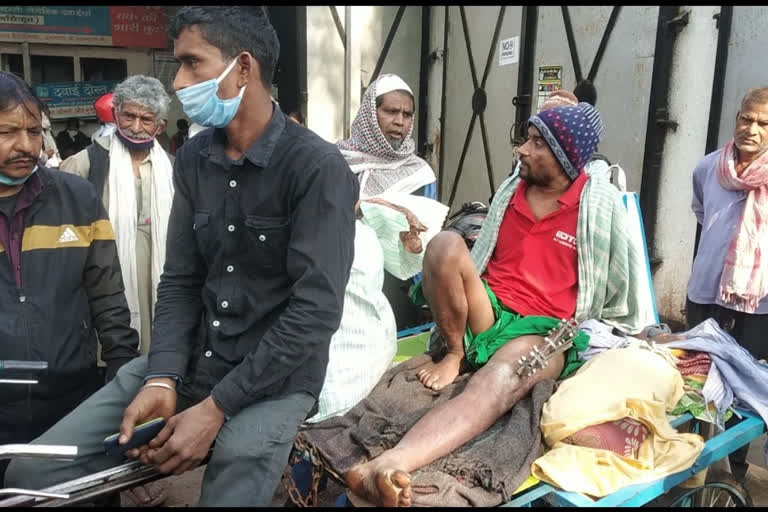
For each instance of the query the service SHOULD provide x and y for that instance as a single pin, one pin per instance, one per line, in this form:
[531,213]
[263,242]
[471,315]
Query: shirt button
[262,238]
[208,353]
[215,323]
[231,228]
[224,304]
[233,183]
[230,268]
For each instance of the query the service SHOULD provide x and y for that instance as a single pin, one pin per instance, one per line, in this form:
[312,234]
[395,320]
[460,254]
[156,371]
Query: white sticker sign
[509,51]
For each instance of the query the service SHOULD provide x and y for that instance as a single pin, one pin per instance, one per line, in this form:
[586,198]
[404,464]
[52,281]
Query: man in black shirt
[259,250]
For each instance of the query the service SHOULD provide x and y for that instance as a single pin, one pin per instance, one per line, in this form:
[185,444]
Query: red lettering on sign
[139,27]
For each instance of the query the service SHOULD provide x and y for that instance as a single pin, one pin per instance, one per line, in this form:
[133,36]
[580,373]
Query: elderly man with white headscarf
[391,231]
[380,149]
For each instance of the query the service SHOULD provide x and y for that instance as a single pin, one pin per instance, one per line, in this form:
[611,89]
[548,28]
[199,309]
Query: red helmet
[104,108]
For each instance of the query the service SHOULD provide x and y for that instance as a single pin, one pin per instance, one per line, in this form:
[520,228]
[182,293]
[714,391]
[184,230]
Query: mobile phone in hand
[142,434]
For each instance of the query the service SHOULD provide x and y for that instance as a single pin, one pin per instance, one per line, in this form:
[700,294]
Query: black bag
[468,221]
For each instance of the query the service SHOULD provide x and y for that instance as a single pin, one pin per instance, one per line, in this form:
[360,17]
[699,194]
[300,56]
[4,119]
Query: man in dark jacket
[71,140]
[259,250]
[60,280]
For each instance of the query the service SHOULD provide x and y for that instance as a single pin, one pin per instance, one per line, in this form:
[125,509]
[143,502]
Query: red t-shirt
[534,268]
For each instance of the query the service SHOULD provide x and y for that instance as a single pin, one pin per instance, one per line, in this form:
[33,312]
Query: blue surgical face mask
[203,106]
[14,182]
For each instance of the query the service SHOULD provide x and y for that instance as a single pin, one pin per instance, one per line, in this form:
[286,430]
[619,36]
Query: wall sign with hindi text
[73,99]
[127,26]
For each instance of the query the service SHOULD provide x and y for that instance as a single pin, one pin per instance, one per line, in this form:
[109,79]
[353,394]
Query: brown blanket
[483,472]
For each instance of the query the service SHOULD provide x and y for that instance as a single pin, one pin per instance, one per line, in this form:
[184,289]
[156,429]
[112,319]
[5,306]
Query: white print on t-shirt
[565,239]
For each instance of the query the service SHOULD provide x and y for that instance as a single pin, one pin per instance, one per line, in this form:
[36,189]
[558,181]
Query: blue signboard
[73,99]
[118,25]
[75,19]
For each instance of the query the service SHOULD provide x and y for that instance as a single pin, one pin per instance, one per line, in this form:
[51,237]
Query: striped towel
[694,363]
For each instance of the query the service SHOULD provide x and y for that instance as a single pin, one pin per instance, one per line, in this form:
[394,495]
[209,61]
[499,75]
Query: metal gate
[477,111]
[486,108]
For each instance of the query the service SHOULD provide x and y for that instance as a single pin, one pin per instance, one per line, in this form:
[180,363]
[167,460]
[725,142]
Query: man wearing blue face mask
[259,250]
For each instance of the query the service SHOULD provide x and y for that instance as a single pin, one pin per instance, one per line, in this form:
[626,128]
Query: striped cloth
[607,257]
[389,223]
[363,347]
[694,363]
[734,372]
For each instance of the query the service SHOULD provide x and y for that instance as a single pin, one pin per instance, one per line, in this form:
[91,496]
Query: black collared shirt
[259,252]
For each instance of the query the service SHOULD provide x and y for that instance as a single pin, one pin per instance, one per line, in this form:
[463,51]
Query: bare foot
[380,483]
[437,375]
[152,494]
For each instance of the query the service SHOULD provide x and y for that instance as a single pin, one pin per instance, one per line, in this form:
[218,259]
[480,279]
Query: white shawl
[123,215]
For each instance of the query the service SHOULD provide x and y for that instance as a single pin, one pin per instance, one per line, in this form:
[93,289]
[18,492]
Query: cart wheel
[720,490]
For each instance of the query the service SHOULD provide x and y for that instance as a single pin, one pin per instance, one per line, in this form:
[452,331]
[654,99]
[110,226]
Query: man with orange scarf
[729,281]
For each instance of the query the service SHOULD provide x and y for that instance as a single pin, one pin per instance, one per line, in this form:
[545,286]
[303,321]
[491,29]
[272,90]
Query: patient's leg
[457,297]
[490,393]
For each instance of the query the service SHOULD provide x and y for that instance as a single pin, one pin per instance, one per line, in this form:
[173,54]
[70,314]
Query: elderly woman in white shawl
[394,227]
[134,177]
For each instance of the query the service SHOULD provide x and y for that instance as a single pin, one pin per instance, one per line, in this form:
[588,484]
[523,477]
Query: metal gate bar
[479,102]
[441,163]
[603,43]
[522,102]
[339,27]
[387,43]
[483,131]
[571,43]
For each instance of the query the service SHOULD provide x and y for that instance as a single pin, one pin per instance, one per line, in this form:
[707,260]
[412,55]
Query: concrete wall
[325,72]
[689,103]
[325,60]
[403,57]
[623,80]
[745,68]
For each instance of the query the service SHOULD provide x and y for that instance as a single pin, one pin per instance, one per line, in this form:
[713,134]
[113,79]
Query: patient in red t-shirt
[529,283]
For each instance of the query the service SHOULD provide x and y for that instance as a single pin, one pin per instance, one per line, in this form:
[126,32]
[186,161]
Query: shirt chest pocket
[202,230]
[266,241]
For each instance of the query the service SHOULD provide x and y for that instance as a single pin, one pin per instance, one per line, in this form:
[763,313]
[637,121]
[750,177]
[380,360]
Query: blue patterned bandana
[572,133]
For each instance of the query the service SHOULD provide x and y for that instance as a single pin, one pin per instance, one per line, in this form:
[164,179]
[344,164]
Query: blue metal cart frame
[719,446]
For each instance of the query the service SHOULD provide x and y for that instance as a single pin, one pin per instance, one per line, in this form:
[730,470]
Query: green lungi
[480,347]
